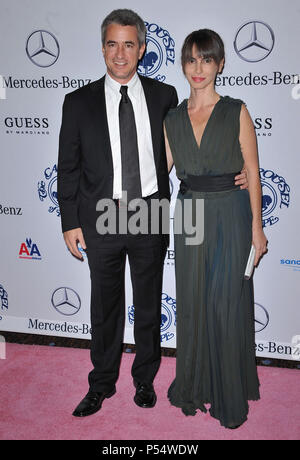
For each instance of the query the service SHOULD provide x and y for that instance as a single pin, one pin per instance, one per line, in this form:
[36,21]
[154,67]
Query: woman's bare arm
[250,155]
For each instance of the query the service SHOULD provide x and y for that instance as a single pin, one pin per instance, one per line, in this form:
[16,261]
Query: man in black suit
[95,161]
[111,142]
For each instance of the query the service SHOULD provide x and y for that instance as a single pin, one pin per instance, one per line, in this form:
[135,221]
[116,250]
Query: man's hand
[242,179]
[72,238]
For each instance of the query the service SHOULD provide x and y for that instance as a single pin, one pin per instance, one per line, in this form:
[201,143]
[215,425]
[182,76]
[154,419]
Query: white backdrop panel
[46,290]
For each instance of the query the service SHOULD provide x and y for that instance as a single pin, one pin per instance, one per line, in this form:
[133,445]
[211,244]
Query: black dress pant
[107,256]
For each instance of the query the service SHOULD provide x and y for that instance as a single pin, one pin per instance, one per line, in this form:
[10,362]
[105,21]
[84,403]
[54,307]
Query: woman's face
[201,72]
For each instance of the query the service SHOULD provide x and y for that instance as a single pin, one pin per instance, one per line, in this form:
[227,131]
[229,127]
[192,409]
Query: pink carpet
[40,387]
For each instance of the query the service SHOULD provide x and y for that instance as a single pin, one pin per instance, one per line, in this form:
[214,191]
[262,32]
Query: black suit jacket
[85,166]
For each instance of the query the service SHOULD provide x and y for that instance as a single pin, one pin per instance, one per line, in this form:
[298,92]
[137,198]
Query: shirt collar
[134,85]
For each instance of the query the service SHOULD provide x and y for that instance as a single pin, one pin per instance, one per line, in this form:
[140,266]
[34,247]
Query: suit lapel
[155,121]
[98,106]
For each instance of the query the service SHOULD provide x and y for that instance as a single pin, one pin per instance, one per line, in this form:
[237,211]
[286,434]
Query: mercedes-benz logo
[42,48]
[66,301]
[261,318]
[254,41]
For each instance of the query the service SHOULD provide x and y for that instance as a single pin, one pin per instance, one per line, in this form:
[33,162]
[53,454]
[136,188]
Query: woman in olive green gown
[210,135]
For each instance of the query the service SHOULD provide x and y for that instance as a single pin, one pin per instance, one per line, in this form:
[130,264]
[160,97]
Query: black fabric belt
[219,183]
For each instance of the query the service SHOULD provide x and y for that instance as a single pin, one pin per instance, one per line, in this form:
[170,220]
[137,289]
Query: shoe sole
[91,412]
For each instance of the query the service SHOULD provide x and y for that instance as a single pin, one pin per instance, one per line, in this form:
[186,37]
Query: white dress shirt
[143,128]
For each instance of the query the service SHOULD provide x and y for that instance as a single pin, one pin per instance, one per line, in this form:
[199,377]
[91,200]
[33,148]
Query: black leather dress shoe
[91,403]
[145,395]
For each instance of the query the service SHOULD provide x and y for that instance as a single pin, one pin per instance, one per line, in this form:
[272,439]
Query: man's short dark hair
[125,17]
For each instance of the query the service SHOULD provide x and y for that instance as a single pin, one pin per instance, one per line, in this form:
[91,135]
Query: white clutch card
[250,264]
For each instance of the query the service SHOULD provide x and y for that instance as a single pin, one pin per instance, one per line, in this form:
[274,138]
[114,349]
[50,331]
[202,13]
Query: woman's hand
[242,179]
[260,242]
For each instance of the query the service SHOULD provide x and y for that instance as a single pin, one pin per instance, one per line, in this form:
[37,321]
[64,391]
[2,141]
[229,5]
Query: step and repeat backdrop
[50,48]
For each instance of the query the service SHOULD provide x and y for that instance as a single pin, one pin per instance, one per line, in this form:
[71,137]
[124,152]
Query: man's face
[121,52]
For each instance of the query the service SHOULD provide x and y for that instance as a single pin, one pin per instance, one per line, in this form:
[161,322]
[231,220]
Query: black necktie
[131,180]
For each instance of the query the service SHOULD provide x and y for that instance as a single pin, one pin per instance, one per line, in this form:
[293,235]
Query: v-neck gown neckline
[199,146]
